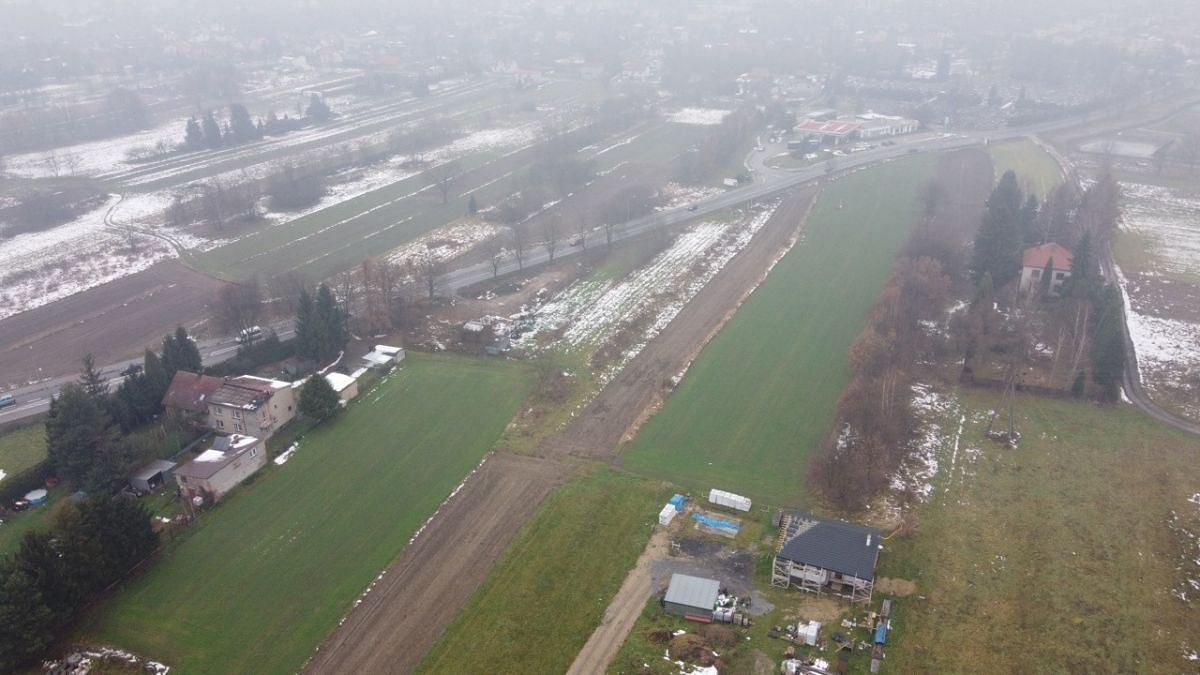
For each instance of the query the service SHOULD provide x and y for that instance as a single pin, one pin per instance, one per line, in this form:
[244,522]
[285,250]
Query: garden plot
[443,244]
[41,267]
[592,312]
[1162,291]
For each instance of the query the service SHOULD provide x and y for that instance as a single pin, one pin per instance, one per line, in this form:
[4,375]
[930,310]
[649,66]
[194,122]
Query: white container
[729,499]
[666,515]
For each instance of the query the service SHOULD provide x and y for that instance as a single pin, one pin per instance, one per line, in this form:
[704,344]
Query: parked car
[692,207]
[7,400]
[250,334]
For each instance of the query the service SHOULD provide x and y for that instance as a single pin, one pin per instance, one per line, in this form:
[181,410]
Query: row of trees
[87,426]
[54,574]
[240,127]
[24,129]
[873,413]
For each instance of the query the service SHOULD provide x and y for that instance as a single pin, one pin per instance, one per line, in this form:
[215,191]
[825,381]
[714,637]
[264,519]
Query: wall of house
[235,472]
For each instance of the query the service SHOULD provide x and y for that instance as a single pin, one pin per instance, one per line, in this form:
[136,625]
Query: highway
[35,398]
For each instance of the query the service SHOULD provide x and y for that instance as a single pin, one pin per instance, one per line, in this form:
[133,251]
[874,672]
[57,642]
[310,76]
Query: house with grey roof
[821,555]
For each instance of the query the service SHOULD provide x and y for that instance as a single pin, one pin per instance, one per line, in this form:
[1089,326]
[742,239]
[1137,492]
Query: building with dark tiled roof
[251,405]
[820,555]
[189,392]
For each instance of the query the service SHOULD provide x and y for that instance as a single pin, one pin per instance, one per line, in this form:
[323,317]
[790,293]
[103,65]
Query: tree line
[208,133]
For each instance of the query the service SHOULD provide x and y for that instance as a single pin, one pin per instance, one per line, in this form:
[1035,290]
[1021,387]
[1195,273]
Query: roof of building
[1038,256]
[834,545]
[830,128]
[191,391]
[338,381]
[377,358]
[225,450]
[388,349]
[692,591]
[153,468]
[235,395]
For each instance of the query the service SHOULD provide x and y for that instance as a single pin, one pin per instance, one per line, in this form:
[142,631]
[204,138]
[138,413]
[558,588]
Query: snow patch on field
[443,244]
[97,157]
[591,312]
[931,410]
[697,116]
[1170,219]
[675,195]
[1166,349]
[41,267]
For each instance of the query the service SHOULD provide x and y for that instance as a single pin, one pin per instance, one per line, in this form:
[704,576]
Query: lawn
[21,449]
[548,592]
[760,398]
[268,573]
[1057,556]
[1036,170]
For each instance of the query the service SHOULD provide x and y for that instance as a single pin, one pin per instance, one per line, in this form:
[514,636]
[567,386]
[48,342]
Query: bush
[251,357]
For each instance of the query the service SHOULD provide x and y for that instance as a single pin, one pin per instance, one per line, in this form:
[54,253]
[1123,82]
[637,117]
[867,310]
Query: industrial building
[821,556]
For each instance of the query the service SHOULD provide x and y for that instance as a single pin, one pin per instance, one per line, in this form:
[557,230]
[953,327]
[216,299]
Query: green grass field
[760,398]
[549,590]
[268,573]
[22,448]
[1036,170]
[1055,557]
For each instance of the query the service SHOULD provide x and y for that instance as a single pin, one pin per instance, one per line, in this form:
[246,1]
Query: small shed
[397,353]
[691,597]
[345,386]
[377,360]
[152,476]
[667,514]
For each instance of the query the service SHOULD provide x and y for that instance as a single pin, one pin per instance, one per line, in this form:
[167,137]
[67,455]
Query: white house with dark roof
[820,555]
[222,467]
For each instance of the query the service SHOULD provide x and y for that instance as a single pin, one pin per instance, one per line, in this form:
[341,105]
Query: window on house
[220,424]
[254,452]
[1037,274]
[237,414]
[237,426]
[1059,275]
[218,411]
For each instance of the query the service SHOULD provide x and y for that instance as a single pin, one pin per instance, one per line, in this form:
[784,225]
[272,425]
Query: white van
[250,334]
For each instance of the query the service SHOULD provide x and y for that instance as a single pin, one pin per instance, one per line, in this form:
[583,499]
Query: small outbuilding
[345,386]
[214,472]
[691,597]
[152,476]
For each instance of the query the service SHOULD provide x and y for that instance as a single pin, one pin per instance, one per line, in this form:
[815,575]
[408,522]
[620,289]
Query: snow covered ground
[445,243]
[97,157]
[591,312]
[1162,295]
[697,116]
[41,267]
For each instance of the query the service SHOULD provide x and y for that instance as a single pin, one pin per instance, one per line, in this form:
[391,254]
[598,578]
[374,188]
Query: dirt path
[623,612]
[418,597]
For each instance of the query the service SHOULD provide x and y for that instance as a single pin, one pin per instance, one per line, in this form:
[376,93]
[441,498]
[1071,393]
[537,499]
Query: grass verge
[1037,172]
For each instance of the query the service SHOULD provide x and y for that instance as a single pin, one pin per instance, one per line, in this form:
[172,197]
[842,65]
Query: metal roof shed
[690,596]
[152,476]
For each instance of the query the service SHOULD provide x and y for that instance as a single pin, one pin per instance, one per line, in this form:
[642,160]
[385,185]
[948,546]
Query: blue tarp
[677,501]
[718,523]
[881,633]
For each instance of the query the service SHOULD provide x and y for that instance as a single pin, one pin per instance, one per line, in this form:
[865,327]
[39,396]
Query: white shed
[667,515]
[345,386]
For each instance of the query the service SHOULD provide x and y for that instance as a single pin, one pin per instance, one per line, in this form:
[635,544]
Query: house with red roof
[1033,267]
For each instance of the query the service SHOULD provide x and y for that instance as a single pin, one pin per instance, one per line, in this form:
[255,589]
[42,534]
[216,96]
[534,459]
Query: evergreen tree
[318,111]
[318,400]
[241,127]
[76,430]
[92,380]
[332,322]
[212,131]
[307,332]
[188,352]
[1084,282]
[193,137]
[26,624]
[1047,282]
[998,244]
[1108,345]
[155,380]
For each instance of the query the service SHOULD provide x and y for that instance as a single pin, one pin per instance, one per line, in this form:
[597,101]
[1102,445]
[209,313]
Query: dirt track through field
[410,607]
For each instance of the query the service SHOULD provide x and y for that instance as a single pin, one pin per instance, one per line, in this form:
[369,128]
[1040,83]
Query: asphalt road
[35,399]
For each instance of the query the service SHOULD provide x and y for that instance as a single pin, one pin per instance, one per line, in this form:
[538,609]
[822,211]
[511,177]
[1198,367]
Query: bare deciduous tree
[430,269]
[520,243]
[238,306]
[494,245]
[550,232]
[442,176]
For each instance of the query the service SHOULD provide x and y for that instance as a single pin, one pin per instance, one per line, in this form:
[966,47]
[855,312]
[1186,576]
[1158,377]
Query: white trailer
[729,500]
